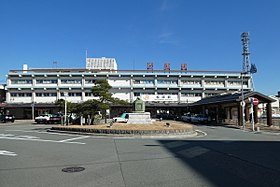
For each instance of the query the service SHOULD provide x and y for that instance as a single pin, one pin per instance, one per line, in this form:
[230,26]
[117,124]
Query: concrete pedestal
[139,118]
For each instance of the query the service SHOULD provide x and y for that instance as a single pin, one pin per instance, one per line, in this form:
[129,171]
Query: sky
[204,34]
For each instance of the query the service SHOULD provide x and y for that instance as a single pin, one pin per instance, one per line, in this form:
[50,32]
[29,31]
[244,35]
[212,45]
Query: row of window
[52,81]
[91,81]
[50,94]
[88,94]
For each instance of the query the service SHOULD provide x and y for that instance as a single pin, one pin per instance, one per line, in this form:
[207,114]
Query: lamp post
[33,111]
[65,107]
[243,104]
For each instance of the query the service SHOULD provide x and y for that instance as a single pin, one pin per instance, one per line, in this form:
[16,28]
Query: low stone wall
[126,132]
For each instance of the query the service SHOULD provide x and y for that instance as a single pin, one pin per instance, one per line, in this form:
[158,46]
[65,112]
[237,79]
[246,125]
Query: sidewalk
[19,122]
[259,127]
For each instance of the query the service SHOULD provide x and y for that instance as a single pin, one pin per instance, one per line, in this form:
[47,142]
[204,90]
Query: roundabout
[157,128]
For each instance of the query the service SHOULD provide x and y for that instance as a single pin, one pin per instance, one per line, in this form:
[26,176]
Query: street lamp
[65,107]
[243,104]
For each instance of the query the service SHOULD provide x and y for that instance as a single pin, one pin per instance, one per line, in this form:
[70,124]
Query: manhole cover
[73,169]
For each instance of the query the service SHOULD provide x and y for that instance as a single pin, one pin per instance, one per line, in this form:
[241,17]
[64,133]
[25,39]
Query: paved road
[219,156]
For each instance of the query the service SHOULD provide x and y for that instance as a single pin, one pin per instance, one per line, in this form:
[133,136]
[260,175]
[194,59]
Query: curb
[128,133]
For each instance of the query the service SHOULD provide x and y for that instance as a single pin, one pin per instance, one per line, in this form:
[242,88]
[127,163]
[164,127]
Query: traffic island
[123,129]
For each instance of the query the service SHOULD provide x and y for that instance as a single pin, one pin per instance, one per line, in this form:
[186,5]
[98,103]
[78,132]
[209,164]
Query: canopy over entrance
[229,106]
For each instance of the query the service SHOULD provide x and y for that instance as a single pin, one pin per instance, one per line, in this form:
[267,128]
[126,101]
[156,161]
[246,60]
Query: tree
[102,91]
[71,107]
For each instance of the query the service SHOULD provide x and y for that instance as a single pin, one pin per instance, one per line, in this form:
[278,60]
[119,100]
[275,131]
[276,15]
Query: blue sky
[205,34]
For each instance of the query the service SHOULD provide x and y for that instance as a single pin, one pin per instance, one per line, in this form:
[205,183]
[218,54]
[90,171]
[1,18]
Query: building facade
[31,86]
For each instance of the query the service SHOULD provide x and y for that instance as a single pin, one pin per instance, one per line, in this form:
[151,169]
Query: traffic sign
[255,101]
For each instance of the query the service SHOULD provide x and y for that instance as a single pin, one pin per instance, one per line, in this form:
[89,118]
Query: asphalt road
[218,156]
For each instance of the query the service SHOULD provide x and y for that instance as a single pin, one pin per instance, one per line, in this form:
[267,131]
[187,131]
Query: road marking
[7,153]
[32,138]
[199,131]
[77,138]
[43,132]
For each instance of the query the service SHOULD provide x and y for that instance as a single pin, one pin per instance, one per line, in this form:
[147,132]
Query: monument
[139,116]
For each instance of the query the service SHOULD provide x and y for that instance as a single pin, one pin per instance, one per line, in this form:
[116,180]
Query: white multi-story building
[156,86]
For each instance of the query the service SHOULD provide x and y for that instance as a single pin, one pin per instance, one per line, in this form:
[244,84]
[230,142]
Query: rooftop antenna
[86,53]
[246,53]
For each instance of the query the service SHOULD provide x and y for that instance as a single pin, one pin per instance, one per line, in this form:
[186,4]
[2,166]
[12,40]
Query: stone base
[139,118]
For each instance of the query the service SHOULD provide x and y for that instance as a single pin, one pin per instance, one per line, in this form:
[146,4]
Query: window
[137,94]
[143,81]
[89,94]
[192,94]
[89,81]
[53,81]
[22,94]
[190,82]
[214,82]
[167,82]
[210,94]
[21,81]
[136,81]
[71,94]
[74,94]
[39,94]
[71,81]
[53,94]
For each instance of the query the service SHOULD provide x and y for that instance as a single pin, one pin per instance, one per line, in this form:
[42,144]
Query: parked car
[122,118]
[55,118]
[199,118]
[187,117]
[43,118]
[167,116]
[7,118]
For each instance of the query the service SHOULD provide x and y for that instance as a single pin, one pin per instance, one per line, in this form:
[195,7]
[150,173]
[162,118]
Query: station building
[164,91]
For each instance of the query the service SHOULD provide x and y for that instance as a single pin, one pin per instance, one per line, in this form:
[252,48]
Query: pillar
[247,114]
[240,113]
[256,119]
[269,114]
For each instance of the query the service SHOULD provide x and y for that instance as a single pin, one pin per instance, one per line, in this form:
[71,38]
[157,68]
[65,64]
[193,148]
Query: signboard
[183,67]
[166,66]
[150,66]
[254,101]
[173,98]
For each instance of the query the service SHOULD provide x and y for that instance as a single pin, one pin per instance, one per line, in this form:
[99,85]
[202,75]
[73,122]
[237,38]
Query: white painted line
[7,153]
[37,140]
[77,138]
[44,132]
[199,131]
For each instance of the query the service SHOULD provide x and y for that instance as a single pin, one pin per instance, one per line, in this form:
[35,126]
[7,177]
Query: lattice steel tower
[246,53]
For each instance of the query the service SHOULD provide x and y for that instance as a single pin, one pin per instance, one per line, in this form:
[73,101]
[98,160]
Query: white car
[43,118]
[123,118]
